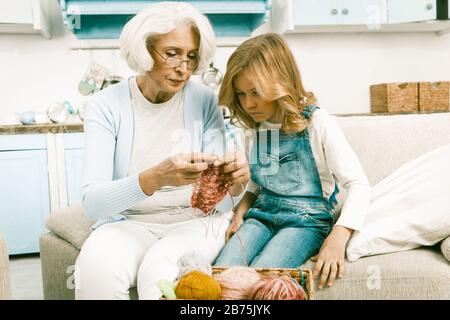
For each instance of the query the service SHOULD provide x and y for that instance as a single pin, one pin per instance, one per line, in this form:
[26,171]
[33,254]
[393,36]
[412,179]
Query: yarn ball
[197,285]
[277,288]
[192,261]
[236,282]
[167,288]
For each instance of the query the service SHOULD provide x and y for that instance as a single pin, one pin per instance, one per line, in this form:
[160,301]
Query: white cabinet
[335,12]
[362,12]
[325,16]
[310,12]
[25,16]
[400,11]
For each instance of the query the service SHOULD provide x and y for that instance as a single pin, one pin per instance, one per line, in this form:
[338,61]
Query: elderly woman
[147,140]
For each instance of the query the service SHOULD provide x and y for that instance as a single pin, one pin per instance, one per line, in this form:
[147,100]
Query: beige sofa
[383,143]
[5,280]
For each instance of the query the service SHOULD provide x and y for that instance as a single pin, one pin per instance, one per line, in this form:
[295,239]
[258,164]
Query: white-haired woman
[147,139]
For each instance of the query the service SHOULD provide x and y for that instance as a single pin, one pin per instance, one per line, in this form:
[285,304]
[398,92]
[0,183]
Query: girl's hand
[237,168]
[330,261]
[234,226]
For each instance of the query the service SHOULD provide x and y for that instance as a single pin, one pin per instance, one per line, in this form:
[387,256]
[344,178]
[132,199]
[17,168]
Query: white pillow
[409,208]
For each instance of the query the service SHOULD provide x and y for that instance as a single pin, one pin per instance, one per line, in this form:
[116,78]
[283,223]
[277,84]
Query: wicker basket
[303,276]
[434,96]
[394,97]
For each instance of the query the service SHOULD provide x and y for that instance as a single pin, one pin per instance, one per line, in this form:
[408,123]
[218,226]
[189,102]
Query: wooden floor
[26,278]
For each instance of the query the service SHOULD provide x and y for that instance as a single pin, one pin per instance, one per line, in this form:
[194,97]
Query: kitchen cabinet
[93,19]
[335,12]
[25,16]
[73,155]
[400,11]
[39,174]
[334,16]
[24,191]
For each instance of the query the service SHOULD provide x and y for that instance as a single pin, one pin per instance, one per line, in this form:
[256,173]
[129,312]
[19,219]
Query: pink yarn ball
[277,288]
[236,282]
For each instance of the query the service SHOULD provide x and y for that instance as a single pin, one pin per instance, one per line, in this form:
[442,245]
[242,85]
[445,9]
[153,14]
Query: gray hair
[158,19]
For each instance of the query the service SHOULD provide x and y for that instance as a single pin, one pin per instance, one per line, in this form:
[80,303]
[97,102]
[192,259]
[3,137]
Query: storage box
[394,97]
[434,96]
[303,276]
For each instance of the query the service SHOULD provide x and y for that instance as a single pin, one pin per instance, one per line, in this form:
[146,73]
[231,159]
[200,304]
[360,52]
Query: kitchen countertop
[41,128]
[78,127]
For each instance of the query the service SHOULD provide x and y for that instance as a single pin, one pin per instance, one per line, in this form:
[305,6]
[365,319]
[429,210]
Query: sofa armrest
[5,279]
[70,224]
[445,248]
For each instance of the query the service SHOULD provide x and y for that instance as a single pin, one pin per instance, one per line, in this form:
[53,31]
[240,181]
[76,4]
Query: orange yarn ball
[277,288]
[197,285]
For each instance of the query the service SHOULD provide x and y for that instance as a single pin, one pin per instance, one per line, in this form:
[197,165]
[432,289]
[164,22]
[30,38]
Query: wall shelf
[440,27]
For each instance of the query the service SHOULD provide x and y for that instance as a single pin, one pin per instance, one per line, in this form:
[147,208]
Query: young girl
[298,156]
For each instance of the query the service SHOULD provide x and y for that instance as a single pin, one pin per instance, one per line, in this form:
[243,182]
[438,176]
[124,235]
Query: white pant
[125,254]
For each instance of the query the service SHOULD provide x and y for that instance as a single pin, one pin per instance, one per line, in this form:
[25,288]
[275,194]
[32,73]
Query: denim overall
[290,218]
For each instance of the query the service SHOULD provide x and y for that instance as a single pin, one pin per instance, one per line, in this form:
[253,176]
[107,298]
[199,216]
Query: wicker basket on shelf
[394,97]
[434,96]
[302,276]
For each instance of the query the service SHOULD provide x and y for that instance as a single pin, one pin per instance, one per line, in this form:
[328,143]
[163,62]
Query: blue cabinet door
[316,13]
[411,11]
[74,162]
[25,198]
[361,12]
[73,154]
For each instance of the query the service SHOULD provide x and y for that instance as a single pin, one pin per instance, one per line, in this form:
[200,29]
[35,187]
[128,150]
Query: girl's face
[182,43]
[257,107]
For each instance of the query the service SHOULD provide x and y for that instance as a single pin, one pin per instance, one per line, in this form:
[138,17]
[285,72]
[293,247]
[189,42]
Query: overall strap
[308,110]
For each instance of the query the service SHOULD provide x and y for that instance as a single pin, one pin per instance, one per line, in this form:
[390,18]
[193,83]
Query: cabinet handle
[429,6]
[345,11]
[334,12]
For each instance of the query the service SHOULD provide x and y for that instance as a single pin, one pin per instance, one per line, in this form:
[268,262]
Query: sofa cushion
[393,140]
[445,248]
[70,224]
[421,273]
[408,209]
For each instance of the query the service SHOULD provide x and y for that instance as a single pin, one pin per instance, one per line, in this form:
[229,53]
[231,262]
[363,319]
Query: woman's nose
[182,67]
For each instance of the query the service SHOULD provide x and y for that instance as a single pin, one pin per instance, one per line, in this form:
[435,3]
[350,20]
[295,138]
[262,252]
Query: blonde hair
[276,77]
[158,19]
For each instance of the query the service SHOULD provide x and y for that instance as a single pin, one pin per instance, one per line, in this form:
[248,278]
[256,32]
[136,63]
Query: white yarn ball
[193,261]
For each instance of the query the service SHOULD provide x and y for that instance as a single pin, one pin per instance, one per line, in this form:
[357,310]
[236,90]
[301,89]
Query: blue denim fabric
[290,218]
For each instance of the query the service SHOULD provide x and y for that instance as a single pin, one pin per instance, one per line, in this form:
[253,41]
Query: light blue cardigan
[106,190]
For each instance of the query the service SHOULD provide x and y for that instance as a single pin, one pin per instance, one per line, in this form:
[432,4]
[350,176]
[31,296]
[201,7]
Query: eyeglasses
[173,62]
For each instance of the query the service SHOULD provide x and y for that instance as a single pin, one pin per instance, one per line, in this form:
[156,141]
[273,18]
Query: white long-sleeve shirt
[336,162]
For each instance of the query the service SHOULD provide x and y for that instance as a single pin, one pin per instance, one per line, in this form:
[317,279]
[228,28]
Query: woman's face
[183,43]
[256,106]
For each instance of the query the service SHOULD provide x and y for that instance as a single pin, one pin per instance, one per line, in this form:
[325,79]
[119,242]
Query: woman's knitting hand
[178,170]
[237,169]
[330,261]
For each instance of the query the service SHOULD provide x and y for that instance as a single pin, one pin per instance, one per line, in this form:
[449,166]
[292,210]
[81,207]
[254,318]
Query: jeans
[278,233]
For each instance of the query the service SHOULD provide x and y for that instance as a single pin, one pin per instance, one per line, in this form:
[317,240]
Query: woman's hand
[330,261]
[236,222]
[178,170]
[237,168]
